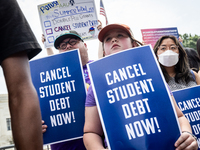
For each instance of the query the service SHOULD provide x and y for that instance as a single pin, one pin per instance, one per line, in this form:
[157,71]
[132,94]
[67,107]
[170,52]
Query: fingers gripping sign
[186,141]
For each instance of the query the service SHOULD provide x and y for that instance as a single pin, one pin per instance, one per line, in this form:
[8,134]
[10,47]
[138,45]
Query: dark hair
[193,58]
[198,47]
[182,68]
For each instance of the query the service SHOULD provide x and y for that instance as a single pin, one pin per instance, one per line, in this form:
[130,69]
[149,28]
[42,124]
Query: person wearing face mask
[174,63]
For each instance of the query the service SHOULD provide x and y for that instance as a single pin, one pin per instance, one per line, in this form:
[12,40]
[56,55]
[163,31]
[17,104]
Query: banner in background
[60,84]
[150,36]
[59,16]
[133,100]
[188,100]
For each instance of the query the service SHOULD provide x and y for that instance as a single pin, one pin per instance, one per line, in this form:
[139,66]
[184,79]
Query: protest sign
[150,36]
[133,100]
[63,15]
[188,100]
[60,85]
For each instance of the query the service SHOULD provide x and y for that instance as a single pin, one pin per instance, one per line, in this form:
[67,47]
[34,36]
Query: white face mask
[168,58]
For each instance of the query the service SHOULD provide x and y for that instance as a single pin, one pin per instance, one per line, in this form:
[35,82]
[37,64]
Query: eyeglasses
[172,47]
[71,42]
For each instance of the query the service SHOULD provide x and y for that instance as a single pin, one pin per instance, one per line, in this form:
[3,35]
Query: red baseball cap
[109,27]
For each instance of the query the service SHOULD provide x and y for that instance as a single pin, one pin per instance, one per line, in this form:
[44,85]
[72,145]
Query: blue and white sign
[134,102]
[60,16]
[60,85]
[188,100]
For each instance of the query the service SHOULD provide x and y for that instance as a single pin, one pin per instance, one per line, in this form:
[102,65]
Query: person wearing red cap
[116,38]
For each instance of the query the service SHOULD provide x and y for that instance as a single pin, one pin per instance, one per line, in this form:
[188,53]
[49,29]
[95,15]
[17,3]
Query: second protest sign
[133,101]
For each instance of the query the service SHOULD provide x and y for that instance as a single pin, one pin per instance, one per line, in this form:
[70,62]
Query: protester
[198,51]
[198,47]
[18,44]
[193,58]
[117,38]
[100,52]
[66,42]
[174,63]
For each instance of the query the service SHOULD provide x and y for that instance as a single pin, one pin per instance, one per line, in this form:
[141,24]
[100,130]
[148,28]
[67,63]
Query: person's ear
[134,44]
[85,45]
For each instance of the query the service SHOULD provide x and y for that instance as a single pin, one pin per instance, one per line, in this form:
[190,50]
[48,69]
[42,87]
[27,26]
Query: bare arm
[184,124]
[49,50]
[199,73]
[23,103]
[197,77]
[92,130]
[185,141]
[100,50]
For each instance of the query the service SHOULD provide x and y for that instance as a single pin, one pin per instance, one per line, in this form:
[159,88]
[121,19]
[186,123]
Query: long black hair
[193,58]
[182,68]
[198,47]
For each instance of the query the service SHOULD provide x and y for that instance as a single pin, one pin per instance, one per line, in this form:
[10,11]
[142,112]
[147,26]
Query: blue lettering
[49,6]
[56,12]
[65,13]
[93,22]
[80,24]
[84,9]
[81,9]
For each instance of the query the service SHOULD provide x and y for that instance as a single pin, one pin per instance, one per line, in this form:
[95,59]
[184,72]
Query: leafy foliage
[189,40]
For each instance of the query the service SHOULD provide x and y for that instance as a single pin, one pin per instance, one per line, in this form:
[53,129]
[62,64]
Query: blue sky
[138,14]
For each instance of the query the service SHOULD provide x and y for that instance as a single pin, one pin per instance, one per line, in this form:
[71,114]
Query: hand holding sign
[182,144]
[44,127]
[61,89]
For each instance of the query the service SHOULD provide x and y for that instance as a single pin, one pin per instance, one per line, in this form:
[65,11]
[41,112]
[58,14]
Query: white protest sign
[63,15]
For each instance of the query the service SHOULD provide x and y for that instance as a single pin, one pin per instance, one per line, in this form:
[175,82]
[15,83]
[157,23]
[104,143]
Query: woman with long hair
[174,63]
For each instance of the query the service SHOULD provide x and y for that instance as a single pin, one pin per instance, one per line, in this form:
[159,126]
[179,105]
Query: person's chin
[116,51]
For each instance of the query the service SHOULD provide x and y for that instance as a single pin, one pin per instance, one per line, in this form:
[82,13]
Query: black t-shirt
[15,32]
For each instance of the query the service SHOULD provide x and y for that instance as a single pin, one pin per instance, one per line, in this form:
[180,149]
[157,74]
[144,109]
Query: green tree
[189,40]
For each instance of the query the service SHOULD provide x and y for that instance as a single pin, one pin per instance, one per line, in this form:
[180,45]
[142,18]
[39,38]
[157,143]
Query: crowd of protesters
[18,45]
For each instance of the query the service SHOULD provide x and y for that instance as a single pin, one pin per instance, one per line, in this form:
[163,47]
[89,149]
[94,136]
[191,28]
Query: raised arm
[197,77]
[49,50]
[93,132]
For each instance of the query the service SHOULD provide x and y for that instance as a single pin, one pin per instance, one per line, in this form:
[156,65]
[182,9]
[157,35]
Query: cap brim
[61,38]
[107,28]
